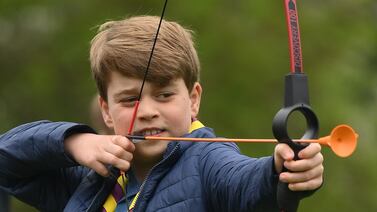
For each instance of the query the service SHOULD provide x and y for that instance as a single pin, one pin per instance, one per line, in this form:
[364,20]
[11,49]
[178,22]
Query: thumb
[282,153]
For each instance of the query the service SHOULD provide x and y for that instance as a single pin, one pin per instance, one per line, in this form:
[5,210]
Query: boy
[65,166]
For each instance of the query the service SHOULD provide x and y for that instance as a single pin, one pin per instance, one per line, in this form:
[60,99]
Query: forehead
[119,82]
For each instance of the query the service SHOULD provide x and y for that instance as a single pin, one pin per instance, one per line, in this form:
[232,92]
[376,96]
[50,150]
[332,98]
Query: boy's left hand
[306,173]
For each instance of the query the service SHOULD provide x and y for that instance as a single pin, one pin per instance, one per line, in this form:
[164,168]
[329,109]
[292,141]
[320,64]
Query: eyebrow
[119,94]
[136,91]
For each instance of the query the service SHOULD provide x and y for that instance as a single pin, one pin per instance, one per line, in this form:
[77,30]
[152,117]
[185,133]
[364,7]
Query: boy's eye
[129,101]
[164,95]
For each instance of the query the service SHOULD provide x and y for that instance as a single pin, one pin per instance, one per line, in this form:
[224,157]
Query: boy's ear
[195,96]
[105,113]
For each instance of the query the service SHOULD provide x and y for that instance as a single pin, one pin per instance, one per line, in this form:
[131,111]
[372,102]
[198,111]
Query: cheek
[121,118]
[180,118]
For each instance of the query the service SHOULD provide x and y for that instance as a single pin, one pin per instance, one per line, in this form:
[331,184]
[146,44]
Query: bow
[296,99]
[342,140]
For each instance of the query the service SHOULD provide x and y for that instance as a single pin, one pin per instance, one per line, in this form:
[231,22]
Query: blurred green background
[243,49]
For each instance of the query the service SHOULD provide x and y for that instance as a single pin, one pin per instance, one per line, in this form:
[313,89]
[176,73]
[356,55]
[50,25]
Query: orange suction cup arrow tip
[342,140]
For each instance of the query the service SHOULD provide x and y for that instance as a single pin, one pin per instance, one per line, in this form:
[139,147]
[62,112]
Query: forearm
[34,165]
[35,147]
[237,182]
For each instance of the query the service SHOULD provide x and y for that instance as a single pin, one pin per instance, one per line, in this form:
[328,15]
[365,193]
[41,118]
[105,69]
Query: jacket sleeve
[34,166]
[235,182]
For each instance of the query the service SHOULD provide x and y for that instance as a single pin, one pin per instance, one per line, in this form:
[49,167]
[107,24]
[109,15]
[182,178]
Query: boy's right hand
[99,151]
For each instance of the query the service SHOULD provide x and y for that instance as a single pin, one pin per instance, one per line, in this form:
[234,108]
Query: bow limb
[296,99]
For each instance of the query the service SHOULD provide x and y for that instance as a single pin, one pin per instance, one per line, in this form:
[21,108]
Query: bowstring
[136,107]
[130,129]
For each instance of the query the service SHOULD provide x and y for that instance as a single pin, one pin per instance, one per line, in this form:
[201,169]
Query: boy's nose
[147,110]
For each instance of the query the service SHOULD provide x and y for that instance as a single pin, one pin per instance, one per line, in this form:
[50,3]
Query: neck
[141,168]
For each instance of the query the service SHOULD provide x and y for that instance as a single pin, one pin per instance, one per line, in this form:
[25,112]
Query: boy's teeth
[151,132]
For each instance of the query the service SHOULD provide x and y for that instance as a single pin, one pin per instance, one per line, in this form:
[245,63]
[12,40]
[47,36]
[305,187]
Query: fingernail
[288,157]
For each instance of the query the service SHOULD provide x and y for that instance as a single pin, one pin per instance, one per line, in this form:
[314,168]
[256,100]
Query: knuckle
[320,181]
[127,165]
[319,147]
[129,146]
[321,158]
[132,146]
[119,140]
[131,156]
[124,166]
[118,152]
[321,169]
[115,139]
[316,147]
[279,147]
[91,161]
[315,183]
[103,172]
[113,160]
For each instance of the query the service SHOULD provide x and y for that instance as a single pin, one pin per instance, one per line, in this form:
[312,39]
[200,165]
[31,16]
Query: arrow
[342,140]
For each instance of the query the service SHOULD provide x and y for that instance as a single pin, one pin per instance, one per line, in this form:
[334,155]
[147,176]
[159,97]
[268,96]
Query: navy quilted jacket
[191,177]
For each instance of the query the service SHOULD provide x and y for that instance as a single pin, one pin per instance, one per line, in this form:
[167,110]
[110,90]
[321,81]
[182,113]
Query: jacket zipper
[150,171]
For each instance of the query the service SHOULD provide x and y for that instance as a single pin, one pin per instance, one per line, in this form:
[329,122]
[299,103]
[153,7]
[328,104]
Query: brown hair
[124,46]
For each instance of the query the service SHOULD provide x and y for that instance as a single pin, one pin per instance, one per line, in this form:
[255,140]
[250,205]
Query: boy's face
[163,111]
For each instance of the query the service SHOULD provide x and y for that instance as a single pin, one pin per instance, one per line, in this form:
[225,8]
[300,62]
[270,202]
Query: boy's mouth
[150,132]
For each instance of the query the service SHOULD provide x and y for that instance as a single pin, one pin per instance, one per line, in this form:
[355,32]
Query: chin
[151,149]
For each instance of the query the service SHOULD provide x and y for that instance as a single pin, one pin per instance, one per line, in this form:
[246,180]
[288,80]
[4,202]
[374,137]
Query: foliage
[243,49]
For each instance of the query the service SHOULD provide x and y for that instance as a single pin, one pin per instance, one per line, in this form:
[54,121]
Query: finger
[298,177]
[304,164]
[304,186]
[284,151]
[110,159]
[100,169]
[309,151]
[119,152]
[124,142]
